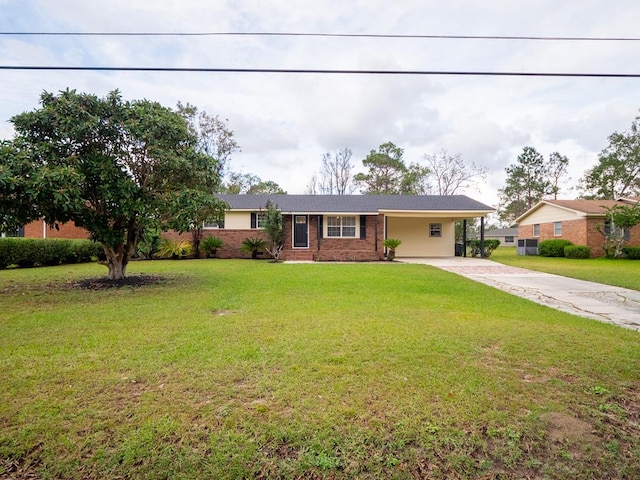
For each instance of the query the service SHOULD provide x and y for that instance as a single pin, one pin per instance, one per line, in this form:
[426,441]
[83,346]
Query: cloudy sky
[285,122]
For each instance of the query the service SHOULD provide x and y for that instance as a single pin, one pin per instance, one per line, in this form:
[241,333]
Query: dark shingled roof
[356,203]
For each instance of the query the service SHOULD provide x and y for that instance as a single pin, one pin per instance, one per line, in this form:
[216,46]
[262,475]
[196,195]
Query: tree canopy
[617,172]
[111,166]
[530,180]
[388,174]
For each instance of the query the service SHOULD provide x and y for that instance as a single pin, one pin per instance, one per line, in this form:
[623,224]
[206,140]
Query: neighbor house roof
[587,208]
[361,204]
[501,232]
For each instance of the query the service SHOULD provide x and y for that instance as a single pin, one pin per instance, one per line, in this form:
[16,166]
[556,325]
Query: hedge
[577,251]
[32,252]
[632,253]
[553,247]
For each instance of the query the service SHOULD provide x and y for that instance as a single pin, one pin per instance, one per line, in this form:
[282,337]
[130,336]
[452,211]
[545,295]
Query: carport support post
[482,237]
[464,238]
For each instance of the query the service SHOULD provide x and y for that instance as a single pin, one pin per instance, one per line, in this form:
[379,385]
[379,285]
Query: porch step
[299,255]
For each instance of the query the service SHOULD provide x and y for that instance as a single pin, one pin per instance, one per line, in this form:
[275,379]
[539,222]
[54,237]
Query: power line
[323,71]
[336,35]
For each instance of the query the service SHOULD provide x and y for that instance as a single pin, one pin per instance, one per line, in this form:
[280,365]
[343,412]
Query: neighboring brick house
[578,221]
[350,227]
[40,229]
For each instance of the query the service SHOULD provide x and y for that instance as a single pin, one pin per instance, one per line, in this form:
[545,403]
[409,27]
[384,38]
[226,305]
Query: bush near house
[253,245]
[577,251]
[210,245]
[553,247]
[632,253]
[37,252]
[489,246]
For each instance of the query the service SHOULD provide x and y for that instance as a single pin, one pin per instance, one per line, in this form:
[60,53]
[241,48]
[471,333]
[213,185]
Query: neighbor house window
[536,230]
[508,239]
[616,232]
[435,229]
[557,229]
[261,219]
[341,226]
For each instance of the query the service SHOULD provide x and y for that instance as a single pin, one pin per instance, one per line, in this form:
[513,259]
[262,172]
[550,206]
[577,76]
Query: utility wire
[337,35]
[323,71]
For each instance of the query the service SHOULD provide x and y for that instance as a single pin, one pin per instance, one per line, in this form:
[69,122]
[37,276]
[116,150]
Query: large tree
[113,167]
[449,173]
[617,173]
[387,173]
[213,136]
[530,180]
[335,177]
[248,183]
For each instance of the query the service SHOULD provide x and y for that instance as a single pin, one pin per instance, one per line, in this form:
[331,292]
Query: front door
[301,231]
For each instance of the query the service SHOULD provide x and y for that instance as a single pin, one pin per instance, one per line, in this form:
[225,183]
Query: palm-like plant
[253,245]
[392,244]
[210,245]
[174,248]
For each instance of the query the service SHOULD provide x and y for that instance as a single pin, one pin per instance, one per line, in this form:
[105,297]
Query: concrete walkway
[616,305]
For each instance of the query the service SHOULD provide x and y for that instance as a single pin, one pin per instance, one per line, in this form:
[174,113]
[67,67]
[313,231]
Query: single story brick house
[350,227]
[574,220]
[331,227]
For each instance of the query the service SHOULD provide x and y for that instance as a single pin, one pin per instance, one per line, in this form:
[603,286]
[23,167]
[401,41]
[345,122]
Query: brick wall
[323,249]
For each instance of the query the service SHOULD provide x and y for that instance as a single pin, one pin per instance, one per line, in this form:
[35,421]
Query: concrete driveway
[615,305]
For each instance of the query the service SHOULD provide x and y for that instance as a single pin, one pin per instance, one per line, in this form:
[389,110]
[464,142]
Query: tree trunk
[196,238]
[116,261]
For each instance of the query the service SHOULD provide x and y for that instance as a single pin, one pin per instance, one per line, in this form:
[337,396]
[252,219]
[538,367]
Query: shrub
[37,252]
[174,249]
[253,245]
[392,244]
[632,253]
[577,251]
[553,247]
[210,245]
[489,246]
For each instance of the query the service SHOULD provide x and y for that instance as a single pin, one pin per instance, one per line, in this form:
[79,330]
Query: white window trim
[325,226]
[555,229]
[533,227]
[438,227]
[261,217]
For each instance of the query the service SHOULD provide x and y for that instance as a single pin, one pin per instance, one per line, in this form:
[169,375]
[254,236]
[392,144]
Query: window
[216,224]
[341,226]
[557,229]
[536,230]
[508,239]
[260,220]
[435,229]
[616,232]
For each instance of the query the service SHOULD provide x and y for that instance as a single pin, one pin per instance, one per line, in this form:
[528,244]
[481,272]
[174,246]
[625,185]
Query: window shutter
[254,220]
[627,234]
[363,227]
[320,226]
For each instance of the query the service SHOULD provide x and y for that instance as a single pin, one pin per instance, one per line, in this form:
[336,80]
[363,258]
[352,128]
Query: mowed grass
[246,369]
[617,272]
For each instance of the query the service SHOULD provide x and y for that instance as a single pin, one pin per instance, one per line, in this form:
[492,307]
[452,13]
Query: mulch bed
[100,283]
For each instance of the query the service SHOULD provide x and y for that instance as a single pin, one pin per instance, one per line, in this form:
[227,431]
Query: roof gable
[582,208]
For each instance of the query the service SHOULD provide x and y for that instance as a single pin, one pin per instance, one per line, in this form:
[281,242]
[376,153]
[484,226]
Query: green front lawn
[246,369]
[617,272]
